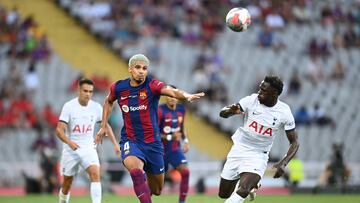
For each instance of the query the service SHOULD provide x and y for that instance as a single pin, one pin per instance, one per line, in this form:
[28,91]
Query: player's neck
[135,83]
[172,107]
[83,103]
[271,103]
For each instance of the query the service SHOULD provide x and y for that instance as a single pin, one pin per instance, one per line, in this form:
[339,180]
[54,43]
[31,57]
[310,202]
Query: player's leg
[133,160]
[64,192]
[178,160]
[230,175]
[184,184]
[248,181]
[156,182]
[69,167]
[135,167]
[155,167]
[95,185]
[226,187]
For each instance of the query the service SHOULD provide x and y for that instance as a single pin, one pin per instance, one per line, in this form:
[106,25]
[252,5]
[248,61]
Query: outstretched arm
[180,94]
[294,146]
[231,110]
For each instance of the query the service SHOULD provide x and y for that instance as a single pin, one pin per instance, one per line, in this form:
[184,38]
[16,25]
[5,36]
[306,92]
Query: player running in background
[171,123]
[265,116]
[141,147]
[78,117]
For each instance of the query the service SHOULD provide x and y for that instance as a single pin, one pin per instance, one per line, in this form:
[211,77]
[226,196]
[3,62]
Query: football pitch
[191,199]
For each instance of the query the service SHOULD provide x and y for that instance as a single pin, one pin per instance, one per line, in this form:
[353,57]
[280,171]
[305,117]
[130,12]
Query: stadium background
[45,46]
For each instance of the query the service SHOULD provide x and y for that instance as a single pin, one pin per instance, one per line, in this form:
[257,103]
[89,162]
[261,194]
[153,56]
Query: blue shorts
[152,154]
[174,158]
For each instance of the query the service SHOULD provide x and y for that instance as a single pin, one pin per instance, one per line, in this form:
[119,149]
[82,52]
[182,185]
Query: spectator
[302,116]
[295,84]
[319,117]
[337,172]
[266,36]
[338,72]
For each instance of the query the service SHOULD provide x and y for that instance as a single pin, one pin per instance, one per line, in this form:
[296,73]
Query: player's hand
[235,108]
[73,145]
[100,135]
[117,149]
[192,97]
[280,169]
[176,136]
[186,147]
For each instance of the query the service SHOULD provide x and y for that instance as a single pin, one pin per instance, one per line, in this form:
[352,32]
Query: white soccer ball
[238,19]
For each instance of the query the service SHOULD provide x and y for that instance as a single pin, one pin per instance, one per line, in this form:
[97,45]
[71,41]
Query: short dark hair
[85,81]
[275,82]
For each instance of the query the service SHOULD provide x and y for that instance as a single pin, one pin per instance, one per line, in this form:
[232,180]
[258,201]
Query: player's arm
[185,138]
[231,110]
[60,133]
[294,146]
[180,94]
[107,108]
[111,135]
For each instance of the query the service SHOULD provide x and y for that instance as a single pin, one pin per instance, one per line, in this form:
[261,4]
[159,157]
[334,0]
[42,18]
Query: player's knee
[224,195]
[243,191]
[156,191]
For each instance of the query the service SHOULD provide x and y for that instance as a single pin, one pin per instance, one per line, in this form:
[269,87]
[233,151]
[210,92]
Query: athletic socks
[63,198]
[235,198]
[184,185]
[141,188]
[95,191]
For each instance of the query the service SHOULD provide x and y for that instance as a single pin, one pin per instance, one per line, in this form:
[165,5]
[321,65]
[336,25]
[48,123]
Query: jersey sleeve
[246,102]
[112,93]
[289,121]
[156,86]
[65,114]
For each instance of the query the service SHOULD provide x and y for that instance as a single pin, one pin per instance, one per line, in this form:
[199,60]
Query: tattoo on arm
[230,110]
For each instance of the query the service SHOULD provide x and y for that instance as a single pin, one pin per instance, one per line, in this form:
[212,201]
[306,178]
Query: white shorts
[71,160]
[241,159]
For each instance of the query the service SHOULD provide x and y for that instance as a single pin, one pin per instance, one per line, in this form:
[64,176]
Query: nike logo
[167,120]
[256,113]
[122,98]
[162,169]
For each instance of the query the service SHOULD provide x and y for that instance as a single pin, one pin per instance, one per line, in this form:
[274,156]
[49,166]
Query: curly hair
[275,82]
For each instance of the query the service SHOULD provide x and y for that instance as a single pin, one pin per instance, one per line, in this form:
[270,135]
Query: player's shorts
[241,159]
[71,160]
[152,154]
[174,158]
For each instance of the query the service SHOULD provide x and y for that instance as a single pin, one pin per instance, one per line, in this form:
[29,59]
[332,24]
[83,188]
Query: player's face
[138,71]
[85,93]
[265,92]
[171,101]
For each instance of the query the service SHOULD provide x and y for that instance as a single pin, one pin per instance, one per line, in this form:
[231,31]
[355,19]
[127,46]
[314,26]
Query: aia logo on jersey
[142,95]
[258,128]
[82,129]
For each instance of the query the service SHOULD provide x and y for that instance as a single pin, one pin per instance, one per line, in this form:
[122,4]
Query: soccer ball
[238,19]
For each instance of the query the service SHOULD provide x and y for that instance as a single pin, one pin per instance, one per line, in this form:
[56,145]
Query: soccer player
[265,116]
[171,123]
[141,147]
[78,117]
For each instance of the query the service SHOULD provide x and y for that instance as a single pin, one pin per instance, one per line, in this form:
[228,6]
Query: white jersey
[81,122]
[262,124]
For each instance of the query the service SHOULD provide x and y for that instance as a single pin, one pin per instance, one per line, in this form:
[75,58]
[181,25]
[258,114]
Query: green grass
[192,199]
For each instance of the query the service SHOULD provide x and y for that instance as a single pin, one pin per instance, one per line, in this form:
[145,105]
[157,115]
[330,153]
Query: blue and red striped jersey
[139,107]
[171,121]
